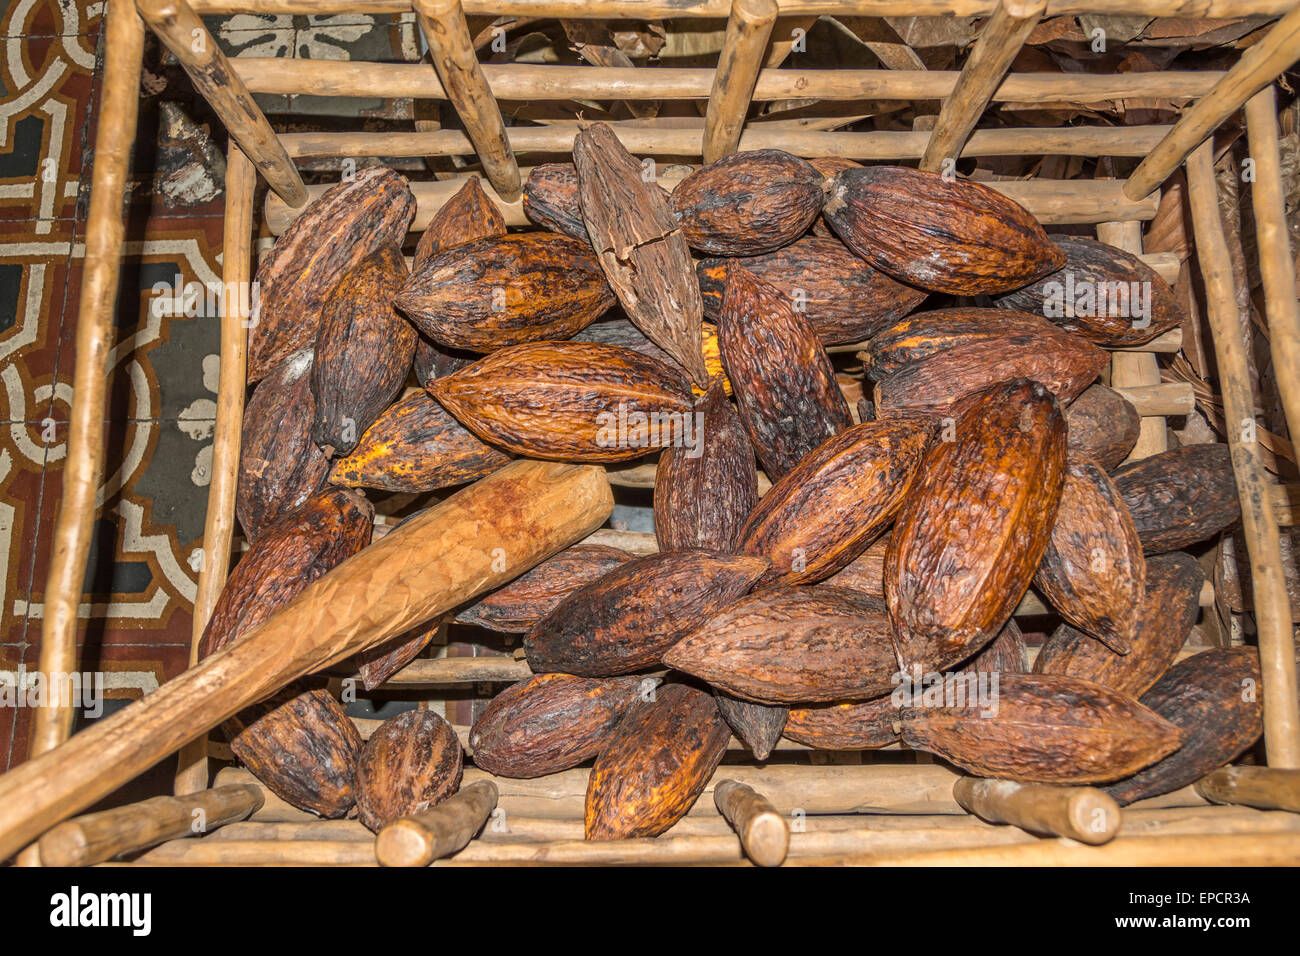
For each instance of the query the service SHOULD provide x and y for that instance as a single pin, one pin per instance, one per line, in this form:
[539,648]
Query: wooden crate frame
[1170,830]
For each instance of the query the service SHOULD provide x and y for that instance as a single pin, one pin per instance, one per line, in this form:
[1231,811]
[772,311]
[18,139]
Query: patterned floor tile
[44,18]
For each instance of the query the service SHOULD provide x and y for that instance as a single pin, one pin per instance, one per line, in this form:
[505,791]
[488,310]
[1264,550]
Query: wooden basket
[890,809]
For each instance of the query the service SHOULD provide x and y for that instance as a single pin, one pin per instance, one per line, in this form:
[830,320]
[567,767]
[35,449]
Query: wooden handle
[1080,813]
[764,833]
[748,29]
[420,839]
[101,836]
[1265,788]
[476,540]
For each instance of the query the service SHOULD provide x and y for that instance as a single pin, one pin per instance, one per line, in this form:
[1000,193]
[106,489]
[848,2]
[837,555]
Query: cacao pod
[412,762]
[1181,497]
[921,335]
[465,217]
[758,726]
[1103,425]
[869,725]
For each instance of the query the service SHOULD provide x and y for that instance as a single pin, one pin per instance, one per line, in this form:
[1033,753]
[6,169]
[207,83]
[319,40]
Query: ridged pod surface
[918,336]
[1103,425]
[1179,498]
[465,217]
[868,725]
[758,726]
[412,762]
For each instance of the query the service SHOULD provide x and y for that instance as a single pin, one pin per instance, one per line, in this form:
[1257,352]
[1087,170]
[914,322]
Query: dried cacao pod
[493,293]
[1093,569]
[1164,620]
[954,236]
[824,513]
[465,217]
[748,203]
[280,465]
[790,645]
[616,330]
[1102,425]
[659,760]
[550,722]
[785,385]
[1180,497]
[853,726]
[412,762]
[1214,697]
[624,621]
[843,298]
[363,352]
[705,491]
[828,166]
[923,334]
[380,663]
[433,361]
[416,446]
[967,540]
[1042,728]
[297,278]
[1105,294]
[568,401]
[758,726]
[551,199]
[517,606]
[1005,654]
[866,572]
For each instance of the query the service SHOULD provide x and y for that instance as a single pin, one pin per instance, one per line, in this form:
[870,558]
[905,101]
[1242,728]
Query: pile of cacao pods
[840,608]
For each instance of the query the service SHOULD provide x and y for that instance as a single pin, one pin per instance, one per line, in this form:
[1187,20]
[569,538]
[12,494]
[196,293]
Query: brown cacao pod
[550,722]
[921,335]
[568,401]
[1094,295]
[1214,697]
[433,361]
[493,293]
[465,217]
[748,203]
[1180,497]
[758,726]
[551,199]
[1043,728]
[843,298]
[828,166]
[790,645]
[416,446]
[380,663]
[1164,619]
[824,513]
[1093,569]
[967,540]
[412,762]
[784,383]
[280,466]
[519,605]
[1005,654]
[853,726]
[363,352]
[616,330]
[954,236]
[657,763]
[704,492]
[624,621]
[1103,425]
[866,572]
[297,278]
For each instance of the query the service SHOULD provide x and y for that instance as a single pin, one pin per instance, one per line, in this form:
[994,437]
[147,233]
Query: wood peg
[764,833]
[421,838]
[1265,788]
[1080,813]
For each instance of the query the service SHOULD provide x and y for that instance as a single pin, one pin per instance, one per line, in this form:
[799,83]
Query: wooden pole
[1265,788]
[471,542]
[434,672]
[748,29]
[1272,606]
[999,43]
[1256,69]
[443,24]
[236,275]
[101,836]
[1085,814]
[420,839]
[764,833]
[185,35]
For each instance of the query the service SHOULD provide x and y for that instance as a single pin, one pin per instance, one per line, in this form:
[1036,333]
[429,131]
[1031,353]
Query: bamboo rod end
[404,843]
[1093,816]
[754,12]
[64,845]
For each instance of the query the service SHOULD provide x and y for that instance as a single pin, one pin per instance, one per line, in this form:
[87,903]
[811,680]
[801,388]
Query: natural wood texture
[1265,788]
[184,34]
[998,44]
[101,836]
[1255,70]
[748,28]
[1081,813]
[471,542]
[432,672]
[452,49]
[764,833]
[219,526]
[1259,524]
[420,839]
[1170,342]
[261,853]
[1165,398]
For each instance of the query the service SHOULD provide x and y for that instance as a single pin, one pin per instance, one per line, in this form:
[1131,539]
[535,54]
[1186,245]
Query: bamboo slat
[1085,814]
[1266,788]
[748,28]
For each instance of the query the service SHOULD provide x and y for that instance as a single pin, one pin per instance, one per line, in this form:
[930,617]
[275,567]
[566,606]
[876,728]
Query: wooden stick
[420,839]
[188,39]
[1256,69]
[471,542]
[1265,788]
[998,44]
[764,833]
[316,831]
[443,24]
[261,853]
[1272,606]
[219,526]
[1085,814]
[101,836]
[748,28]
[1167,343]
[433,672]
[1165,398]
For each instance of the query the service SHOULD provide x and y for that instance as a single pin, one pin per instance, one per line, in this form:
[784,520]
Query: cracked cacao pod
[923,334]
[758,726]
[1179,498]
[1103,425]
[466,217]
[412,762]
[828,166]
[943,235]
[624,621]
[658,762]
[869,725]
